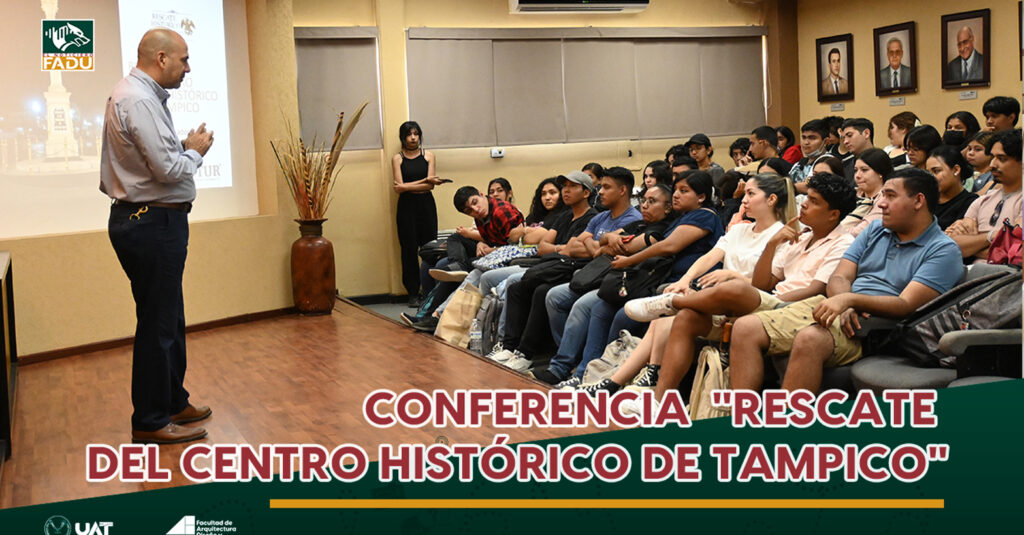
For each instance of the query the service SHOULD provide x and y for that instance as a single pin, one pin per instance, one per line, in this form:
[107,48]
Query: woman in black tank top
[414,177]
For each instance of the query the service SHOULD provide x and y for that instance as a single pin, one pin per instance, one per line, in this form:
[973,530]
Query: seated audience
[774,165]
[676,151]
[526,324]
[587,328]
[963,121]
[950,168]
[873,168]
[1001,113]
[975,232]
[656,172]
[899,125]
[767,198]
[738,149]
[499,188]
[793,266]
[894,266]
[762,145]
[977,155]
[919,144]
[701,150]
[833,143]
[858,136]
[812,146]
[788,148]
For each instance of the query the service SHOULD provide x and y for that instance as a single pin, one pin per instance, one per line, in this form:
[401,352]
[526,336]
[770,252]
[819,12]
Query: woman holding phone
[415,178]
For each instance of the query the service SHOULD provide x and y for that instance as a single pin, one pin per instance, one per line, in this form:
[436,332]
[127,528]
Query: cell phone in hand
[446,180]
[695,285]
[629,238]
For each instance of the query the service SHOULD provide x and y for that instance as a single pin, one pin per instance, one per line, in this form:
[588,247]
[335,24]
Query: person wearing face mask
[949,168]
[812,145]
[872,169]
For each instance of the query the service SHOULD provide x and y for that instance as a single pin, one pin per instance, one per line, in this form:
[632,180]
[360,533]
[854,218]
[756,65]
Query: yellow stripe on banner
[608,504]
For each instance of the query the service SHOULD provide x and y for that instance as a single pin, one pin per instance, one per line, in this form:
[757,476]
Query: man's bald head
[965,42]
[163,55]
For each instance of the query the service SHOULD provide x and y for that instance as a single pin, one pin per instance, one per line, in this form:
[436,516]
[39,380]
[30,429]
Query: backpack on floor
[988,302]
[614,354]
[487,319]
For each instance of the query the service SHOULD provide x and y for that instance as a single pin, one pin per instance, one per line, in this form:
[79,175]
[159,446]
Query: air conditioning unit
[577,6]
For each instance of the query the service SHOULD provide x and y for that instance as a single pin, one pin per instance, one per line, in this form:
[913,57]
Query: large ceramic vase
[313,286]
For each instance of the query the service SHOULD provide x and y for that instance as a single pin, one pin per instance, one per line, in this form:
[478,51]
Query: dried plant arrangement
[309,170]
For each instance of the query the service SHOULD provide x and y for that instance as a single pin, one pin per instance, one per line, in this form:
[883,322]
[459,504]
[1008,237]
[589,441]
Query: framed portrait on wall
[895,59]
[835,67]
[966,61]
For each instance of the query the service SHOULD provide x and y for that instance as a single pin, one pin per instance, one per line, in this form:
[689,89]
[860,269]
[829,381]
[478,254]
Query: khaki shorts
[768,302]
[783,324]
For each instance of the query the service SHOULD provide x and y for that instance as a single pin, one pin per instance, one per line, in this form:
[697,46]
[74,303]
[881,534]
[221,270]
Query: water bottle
[475,337]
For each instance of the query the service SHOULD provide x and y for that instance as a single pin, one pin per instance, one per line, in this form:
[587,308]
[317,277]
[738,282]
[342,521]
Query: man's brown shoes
[171,433]
[191,414]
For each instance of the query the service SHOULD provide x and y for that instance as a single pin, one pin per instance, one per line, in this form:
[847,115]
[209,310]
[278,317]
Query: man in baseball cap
[700,150]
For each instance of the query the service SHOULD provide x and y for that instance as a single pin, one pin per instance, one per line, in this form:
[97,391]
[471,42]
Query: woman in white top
[767,200]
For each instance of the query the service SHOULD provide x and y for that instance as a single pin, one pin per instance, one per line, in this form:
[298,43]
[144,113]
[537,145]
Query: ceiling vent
[577,6]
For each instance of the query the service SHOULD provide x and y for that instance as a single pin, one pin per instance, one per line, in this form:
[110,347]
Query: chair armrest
[956,343]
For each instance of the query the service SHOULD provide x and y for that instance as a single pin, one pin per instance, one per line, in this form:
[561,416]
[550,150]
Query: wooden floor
[285,380]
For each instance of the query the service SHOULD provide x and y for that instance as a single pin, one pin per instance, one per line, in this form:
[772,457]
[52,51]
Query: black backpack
[989,302]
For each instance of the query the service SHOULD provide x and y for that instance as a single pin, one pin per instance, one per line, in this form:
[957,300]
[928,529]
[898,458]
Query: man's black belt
[180,206]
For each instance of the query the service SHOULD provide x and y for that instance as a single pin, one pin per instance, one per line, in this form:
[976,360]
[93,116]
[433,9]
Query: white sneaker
[650,308]
[502,356]
[494,351]
[636,406]
[519,362]
[448,276]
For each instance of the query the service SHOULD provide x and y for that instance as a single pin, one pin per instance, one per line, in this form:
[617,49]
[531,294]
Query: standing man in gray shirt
[148,173]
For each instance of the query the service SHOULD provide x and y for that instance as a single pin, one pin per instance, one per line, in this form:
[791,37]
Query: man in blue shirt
[148,173]
[892,268]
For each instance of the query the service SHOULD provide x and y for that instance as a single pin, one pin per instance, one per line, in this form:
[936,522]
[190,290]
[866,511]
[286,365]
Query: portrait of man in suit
[834,84]
[968,65]
[895,75]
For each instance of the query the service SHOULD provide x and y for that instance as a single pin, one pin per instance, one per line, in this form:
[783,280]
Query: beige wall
[524,166]
[931,103]
[70,290]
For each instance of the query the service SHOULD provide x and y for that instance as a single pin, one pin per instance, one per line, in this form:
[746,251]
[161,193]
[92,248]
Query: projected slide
[51,120]
[200,98]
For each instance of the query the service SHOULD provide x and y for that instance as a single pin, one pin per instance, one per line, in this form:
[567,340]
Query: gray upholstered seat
[977,380]
[878,373]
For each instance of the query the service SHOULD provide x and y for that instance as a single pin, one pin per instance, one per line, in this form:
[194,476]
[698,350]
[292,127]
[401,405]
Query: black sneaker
[409,319]
[415,301]
[426,325]
[648,377]
[605,384]
[545,376]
